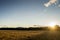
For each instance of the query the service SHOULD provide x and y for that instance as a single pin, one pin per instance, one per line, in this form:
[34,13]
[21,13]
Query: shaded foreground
[29,35]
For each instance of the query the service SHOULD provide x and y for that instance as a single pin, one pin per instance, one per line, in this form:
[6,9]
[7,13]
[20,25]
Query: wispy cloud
[59,5]
[50,2]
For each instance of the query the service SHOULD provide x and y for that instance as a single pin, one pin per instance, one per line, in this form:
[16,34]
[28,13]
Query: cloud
[50,3]
[59,5]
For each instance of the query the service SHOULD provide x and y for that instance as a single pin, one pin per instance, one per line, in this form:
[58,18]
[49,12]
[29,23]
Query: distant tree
[34,25]
[57,27]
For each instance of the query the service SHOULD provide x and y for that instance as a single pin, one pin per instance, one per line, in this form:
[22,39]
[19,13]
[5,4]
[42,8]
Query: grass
[29,35]
[17,35]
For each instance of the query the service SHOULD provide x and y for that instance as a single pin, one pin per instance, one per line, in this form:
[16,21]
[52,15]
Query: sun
[52,24]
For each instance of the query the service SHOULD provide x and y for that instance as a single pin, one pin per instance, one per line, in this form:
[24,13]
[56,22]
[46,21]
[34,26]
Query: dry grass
[29,35]
[17,35]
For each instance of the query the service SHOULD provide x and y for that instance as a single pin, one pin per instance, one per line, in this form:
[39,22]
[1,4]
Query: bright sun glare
[52,24]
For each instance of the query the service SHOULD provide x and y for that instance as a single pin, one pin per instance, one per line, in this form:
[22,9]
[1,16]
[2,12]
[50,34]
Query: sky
[24,13]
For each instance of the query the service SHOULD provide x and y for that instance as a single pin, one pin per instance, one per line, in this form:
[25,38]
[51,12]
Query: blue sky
[29,12]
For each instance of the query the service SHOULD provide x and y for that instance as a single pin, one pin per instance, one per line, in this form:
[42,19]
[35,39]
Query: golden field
[17,34]
[29,35]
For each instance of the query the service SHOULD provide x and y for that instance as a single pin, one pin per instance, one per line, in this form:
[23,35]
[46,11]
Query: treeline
[30,28]
[57,27]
